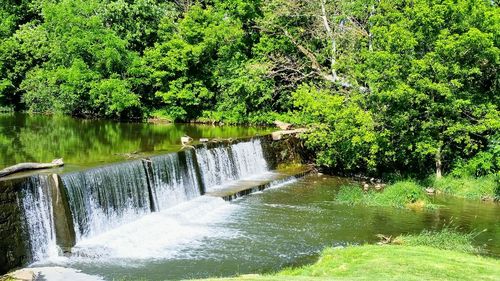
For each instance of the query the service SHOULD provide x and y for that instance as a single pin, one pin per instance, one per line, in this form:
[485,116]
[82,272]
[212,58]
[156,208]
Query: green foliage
[6,109]
[401,194]
[482,164]
[24,50]
[63,90]
[84,70]
[197,41]
[406,87]
[136,22]
[7,23]
[433,73]
[200,67]
[343,131]
[445,239]
[114,97]
[350,195]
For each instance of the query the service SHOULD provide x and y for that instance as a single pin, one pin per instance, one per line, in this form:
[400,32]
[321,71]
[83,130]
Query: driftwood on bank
[30,166]
[283,125]
[279,134]
[185,140]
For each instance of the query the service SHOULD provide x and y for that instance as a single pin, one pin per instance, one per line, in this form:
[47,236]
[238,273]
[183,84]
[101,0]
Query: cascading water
[38,217]
[105,197]
[174,179]
[249,158]
[222,164]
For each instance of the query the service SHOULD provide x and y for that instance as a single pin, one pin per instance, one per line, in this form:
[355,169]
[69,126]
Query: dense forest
[385,85]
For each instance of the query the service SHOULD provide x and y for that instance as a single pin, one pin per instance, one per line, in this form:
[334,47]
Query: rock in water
[24,274]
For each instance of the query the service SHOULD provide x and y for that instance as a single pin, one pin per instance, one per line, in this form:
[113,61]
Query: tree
[84,61]
[343,130]
[136,22]
[25,49]
[434,81]
[189,58]
[315,39]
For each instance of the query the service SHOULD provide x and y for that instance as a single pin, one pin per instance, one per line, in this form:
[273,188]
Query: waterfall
[224,163]
[249,158]
[57,213]
[105,197]
[36,205]
[174,179]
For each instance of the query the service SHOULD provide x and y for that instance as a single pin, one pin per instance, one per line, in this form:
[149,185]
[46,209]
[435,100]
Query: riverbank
[412,194]
[404,194]
[373,262]
[486,188]
[444,255]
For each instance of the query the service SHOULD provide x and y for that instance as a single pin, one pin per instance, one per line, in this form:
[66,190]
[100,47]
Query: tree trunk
[331,36]
[438,164]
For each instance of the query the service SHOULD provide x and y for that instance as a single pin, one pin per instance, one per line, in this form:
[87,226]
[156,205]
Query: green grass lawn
[389,262]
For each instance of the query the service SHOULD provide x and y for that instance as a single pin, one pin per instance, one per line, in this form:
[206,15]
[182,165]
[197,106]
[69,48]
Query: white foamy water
[37,207]
[159,235]
[175,181]
[222,165]
[281,183]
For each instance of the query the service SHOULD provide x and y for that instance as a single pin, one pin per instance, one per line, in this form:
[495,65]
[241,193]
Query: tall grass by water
[448,238]
[400,195]
[485,188]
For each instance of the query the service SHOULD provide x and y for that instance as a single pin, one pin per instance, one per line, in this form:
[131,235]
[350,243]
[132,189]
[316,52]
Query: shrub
[400,194]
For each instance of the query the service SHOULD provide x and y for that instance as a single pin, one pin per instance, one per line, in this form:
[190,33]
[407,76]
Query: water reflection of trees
[42,138]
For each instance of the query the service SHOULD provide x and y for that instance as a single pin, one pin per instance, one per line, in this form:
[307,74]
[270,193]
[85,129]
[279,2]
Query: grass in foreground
[404,194]
[443,255]
[390,262]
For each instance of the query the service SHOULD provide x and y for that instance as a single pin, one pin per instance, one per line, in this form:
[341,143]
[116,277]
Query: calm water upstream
[284,226]
[84,143]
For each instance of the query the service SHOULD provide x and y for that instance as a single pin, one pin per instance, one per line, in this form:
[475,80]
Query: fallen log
[278,135]
[30,166]
[283,125]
